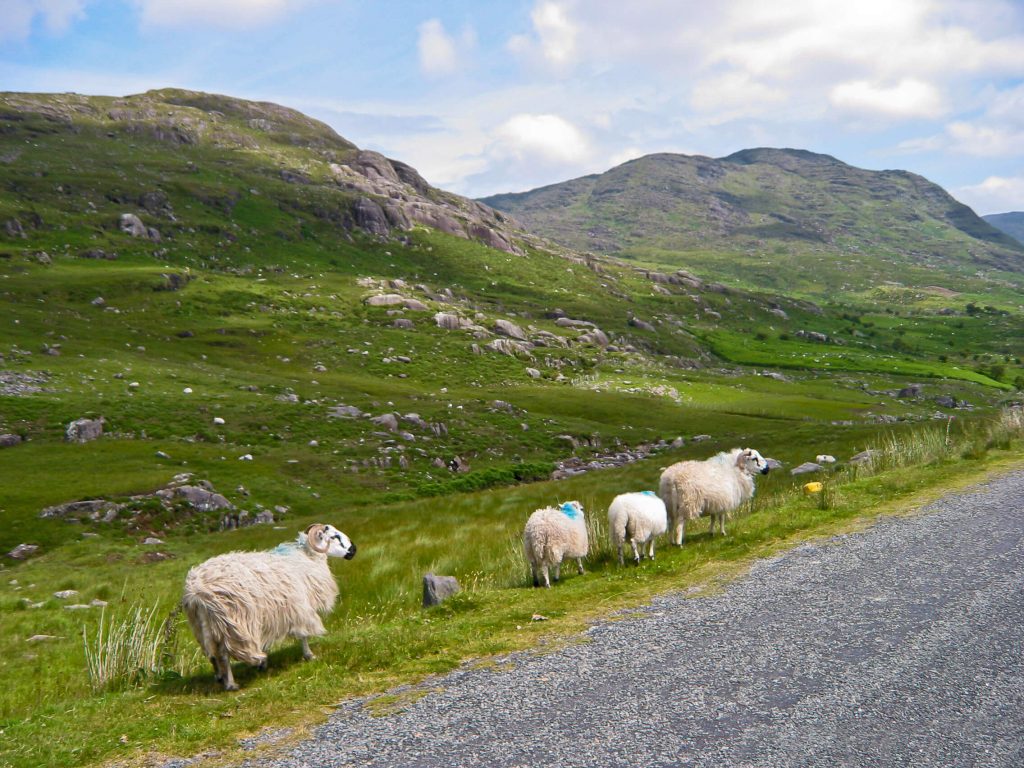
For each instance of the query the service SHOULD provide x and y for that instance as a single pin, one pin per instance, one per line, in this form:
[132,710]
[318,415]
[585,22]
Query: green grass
[378,637]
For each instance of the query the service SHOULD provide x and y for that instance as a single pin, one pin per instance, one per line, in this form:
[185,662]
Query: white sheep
[638,517]
[552,534]
[715,487]
[240,603]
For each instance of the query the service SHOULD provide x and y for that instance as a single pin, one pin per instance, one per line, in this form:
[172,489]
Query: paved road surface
[899,646]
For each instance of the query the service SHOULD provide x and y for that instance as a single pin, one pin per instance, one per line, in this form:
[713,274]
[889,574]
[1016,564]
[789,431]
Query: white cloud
[228,13]
[547,138]
[909,98]
[555,36]
[18,16]
[996,194]
[436,49]
[985,140]
[441,53]
[734,95]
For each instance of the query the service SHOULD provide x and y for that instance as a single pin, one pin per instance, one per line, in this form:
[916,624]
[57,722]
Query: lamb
[715,486]
[552,534]
[638,517]
[240,603]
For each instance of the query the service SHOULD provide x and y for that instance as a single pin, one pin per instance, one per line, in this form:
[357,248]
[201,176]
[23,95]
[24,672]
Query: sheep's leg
[636,554]
[650,549]
[547,581]
[307,654]
[216,669]
[558,570]
[721,522]
[227,678]
[579,565]
[534,573]
[679,535]
[621,561]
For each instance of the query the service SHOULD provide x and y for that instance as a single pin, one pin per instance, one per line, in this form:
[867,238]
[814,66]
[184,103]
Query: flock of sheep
[241,603]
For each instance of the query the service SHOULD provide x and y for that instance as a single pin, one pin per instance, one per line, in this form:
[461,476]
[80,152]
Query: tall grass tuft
[130,651]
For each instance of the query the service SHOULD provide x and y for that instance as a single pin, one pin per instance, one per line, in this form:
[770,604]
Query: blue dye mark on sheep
[286,548]
[648,493]
[570,510]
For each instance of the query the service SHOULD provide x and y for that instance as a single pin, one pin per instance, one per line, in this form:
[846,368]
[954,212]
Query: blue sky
[498,96]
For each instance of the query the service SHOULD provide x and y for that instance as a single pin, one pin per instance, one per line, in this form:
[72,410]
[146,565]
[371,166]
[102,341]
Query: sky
[490,96]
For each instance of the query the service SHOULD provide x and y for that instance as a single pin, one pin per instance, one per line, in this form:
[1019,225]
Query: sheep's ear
[314,534]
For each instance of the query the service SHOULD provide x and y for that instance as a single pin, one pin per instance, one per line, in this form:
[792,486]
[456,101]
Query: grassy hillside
[1011,223]
[318,334]
[783,220]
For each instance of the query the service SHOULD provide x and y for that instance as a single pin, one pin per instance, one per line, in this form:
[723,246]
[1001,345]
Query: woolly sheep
[715,486]
[552,534]
[639,517]
[240,603]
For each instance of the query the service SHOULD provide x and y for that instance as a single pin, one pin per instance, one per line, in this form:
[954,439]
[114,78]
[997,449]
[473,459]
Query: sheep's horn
[313,535]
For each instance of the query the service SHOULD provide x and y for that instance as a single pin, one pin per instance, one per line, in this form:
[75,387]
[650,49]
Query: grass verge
[50,712]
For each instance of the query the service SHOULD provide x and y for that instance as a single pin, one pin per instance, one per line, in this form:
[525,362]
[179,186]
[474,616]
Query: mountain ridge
[671,208]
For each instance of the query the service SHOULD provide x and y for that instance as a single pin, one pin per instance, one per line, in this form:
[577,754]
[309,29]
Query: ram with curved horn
[240,603]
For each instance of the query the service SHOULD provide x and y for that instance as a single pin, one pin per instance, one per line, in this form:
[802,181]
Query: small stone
[805,468]
[23,551]
[436,589]
[41,638]
[64,594]
[152,541]
[187,390]
[246,457]
[218,421]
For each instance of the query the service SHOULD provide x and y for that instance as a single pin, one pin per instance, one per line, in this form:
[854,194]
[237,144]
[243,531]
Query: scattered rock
[152,541]
[943,401]
[806,468]
[132,225]
[387,420]
[825,458]
[773,464]
[436,589]
[41,638]
[93,509]
[509,329]
[869,455]
[64,594]
[533,373]
[643,325]
[344,412]
[84,430]
[9,440]
[384,300]
[912,390]
[23,551]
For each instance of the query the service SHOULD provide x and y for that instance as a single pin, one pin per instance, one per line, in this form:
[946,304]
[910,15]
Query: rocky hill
[776,217]
[277,144]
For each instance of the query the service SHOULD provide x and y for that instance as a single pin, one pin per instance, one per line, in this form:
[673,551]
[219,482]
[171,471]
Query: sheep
[715,486]
[638,517]
[240,603]
[552,534]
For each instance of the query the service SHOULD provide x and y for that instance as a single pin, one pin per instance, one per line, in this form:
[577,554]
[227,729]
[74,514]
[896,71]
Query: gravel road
[902,645]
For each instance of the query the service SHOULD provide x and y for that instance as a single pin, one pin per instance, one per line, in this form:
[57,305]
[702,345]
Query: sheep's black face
[351,552]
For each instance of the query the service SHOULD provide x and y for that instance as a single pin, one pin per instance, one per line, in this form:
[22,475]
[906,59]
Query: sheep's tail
[670,496]
[213,630]
[535,546]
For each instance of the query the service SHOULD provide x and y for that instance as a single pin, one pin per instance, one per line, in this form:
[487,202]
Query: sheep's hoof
[262,666]
[309,656]
[230,686]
